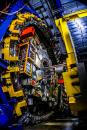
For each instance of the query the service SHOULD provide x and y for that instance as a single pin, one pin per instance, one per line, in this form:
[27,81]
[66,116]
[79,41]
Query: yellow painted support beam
[62,25]
[71,59]
[12,27]
[8,81]
[68,83]
[23,16]
[72,100]
[7,75]
[12,69]
[5,89]
[14,38]
[19,106]
[11,91]
[15,93]
[6,50]
[78,14]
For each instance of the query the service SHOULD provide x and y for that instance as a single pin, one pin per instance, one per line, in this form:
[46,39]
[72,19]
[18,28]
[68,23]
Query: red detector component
[27,32]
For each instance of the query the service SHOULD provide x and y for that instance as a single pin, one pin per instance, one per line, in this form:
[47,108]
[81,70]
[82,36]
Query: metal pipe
[59,69]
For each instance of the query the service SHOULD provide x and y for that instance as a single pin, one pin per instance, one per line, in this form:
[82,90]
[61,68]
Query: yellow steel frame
[21,18]
[71,59]
[62,25]
[11,91]
[27,59]
[12,69]
[19,106]
[6,50]
[24,16]
[78,14]
[70,89]
[6,75]
[13,25]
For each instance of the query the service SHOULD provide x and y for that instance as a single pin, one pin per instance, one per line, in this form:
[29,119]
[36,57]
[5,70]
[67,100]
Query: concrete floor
[61,124]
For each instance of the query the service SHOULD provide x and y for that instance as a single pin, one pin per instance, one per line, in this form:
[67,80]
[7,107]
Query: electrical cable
[6,7]
[13,12]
